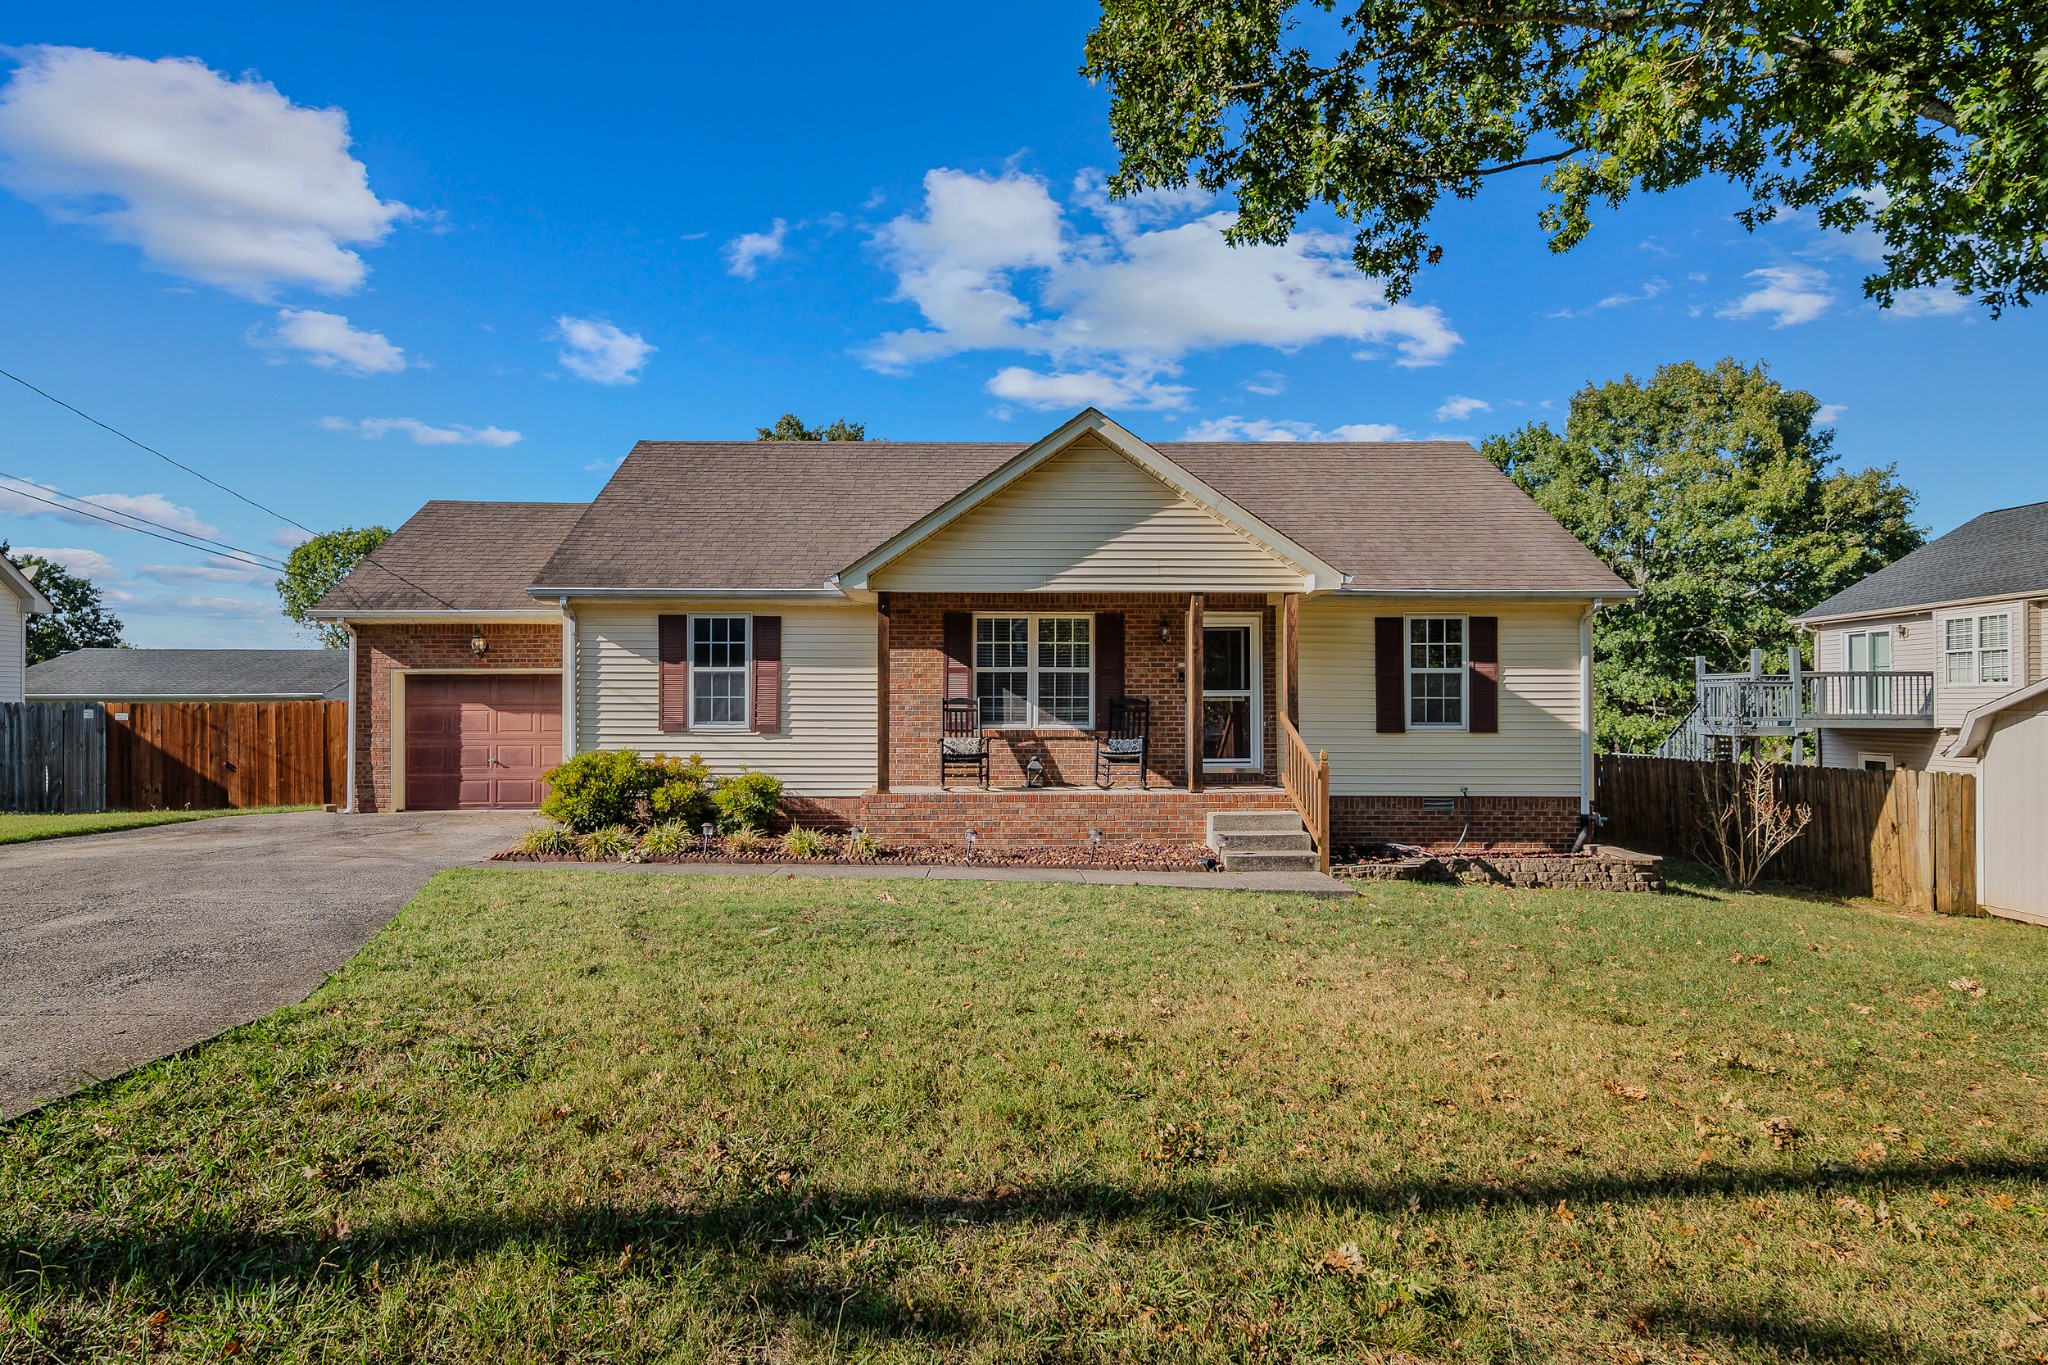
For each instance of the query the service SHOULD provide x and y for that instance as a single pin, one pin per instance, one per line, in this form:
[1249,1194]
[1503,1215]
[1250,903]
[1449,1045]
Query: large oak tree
[1924,121]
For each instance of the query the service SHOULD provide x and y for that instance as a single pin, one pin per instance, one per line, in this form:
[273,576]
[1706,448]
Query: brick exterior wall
[384,649]
[1152,669]
[1499,822]
[1034,819]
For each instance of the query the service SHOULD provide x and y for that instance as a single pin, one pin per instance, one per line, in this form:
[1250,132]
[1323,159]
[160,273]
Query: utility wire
[158,453]
[74,507]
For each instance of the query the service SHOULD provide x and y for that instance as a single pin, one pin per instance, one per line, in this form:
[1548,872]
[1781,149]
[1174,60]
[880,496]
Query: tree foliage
[318,564]
[1712,493]
[1927,122]
[790,427]
[81,619]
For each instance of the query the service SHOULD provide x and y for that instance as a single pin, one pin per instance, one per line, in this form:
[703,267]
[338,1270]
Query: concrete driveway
[116,949]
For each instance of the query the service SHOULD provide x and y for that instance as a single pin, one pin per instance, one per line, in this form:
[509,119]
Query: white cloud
[289,537]
[1083,389]
[200,604]
[1263,429]
[1827,414]
[328,341]
[216,569]
[1650,290]
[222,181]
[1457,408]
[744,253]
[85,563]
[454,434]
[21,498]
[1791,294]
[1266,383]
[600,352]
[993,263]
[1930,302]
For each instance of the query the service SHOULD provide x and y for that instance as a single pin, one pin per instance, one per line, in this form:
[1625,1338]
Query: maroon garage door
[480,741]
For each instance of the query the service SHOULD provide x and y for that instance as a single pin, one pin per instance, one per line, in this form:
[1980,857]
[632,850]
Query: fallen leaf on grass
[1967,987]
[1780,1131]
[1621,1088]
[1749,959]
[1344,1260]
[2001,1202]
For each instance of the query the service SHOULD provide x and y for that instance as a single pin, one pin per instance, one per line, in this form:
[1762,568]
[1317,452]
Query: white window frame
[1227,620]
[1864,759]
[1037,718]
[1463,672]
[1848,648]
[746,720]
[1975,650]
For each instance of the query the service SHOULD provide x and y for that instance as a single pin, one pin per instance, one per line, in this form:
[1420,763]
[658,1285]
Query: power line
[176,537]
[158,453]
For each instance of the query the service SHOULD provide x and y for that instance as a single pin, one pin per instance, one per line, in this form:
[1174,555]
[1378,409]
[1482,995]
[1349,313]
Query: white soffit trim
[485,616]
[24,587]
[1317,574]
[1976,727]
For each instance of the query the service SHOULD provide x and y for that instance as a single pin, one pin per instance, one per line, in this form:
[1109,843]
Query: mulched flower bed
[1146,856]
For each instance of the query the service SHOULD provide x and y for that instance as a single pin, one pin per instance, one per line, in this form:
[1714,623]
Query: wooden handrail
[1307,780]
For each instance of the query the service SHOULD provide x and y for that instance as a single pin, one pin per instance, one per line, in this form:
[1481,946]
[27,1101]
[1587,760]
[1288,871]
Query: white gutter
[568,681]
[1586,708]
[656,594]
[349,805]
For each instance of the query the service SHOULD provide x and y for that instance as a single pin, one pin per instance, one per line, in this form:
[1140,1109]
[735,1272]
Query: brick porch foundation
[1499,822]
[1034,819]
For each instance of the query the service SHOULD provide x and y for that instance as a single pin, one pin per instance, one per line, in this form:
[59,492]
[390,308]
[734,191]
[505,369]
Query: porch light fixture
[1034,772]
[1165,630]
[478,645]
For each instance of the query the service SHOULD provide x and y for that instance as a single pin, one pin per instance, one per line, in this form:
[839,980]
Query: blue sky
[346,263]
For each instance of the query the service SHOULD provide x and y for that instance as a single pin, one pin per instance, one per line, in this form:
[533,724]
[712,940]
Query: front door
[1231,722]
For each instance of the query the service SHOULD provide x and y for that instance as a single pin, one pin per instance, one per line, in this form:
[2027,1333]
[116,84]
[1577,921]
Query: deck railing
[1306,777]
[1757,703]
[1884,696]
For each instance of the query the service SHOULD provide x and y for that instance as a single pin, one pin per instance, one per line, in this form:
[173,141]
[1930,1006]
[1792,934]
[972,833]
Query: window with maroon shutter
[1484,683]
[767,711]
[1390,674]
[1109,663]
[959,643]
[673,673]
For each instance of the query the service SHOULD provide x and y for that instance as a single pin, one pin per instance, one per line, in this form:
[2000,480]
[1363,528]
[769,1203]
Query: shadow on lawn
[761,1231]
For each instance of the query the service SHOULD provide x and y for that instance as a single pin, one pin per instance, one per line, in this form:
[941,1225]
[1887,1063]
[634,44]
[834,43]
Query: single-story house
[19,600]
[146,675]
[1937,661]
[808,609]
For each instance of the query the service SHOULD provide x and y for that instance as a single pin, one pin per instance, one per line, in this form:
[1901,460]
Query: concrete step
[1269,862]
[1251,822]
[1264,843]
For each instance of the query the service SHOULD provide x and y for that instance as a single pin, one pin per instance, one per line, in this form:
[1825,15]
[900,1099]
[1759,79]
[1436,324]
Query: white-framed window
[1436,672]
[720,649]
[1875,763]
[1977,649]
[1035,672]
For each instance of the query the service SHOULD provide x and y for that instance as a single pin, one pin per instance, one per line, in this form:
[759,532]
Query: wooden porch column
[881,692]
[1195,692]
[1288,693]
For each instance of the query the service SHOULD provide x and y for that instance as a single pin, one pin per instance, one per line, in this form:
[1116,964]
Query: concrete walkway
[117,949]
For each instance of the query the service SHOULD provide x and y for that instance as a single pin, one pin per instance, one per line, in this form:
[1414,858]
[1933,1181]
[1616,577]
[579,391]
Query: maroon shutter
[1483,675]
[767,708]
[1109,663]
[673,672]
[959,626]
[1389,674]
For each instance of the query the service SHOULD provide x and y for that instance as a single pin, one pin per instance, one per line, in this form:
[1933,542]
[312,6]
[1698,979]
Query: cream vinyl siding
[1951,704]
[1087,520]
[1536,752]
[1912,652]
[827,743]
[1908,748]
[13,645]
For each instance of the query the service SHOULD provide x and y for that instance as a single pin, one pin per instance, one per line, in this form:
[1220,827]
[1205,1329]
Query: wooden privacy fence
[53,757]
[1906,837]
[226,755]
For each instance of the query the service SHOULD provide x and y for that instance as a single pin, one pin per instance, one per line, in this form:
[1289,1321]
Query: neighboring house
[191,675]
[805,609]
[19,600]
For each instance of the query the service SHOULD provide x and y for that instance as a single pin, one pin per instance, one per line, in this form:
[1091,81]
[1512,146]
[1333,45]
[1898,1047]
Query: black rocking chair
[961,742]
[1126,739]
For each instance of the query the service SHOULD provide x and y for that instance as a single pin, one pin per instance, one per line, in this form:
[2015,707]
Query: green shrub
[551,840]
[596,789]
[670,836]
[746,841]
[807,843]
[748,801]
[863,846]
[611,842]
[679,789]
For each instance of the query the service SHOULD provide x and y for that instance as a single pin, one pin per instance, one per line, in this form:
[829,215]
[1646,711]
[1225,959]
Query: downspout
[568,680]
[349,807]
[1586,718]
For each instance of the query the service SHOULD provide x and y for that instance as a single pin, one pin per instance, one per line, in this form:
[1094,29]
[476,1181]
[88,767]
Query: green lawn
[568,1115]
[19,829]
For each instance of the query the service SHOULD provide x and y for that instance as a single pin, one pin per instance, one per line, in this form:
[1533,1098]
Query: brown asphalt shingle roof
[787,515]
[476,556]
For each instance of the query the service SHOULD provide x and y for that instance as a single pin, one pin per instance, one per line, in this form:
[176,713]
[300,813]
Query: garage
[480,741]
[2012,811]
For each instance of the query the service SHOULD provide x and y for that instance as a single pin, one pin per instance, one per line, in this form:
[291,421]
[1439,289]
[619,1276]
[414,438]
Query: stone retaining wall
[1599,868]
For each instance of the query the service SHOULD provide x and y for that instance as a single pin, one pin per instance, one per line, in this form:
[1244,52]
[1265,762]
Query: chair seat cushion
[962,746]
[1125,746]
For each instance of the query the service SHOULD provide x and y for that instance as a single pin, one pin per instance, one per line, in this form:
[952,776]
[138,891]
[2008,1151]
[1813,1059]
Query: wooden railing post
[1194,667]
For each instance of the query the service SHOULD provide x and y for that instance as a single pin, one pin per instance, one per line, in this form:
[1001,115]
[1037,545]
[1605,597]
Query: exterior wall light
[478,645]
[1165,630]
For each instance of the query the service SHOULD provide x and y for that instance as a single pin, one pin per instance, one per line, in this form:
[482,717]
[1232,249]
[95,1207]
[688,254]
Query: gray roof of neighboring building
[463,556]
[190,675]
[1999,554]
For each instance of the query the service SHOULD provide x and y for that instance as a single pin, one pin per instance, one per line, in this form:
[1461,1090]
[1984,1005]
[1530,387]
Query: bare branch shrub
[1744,821]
